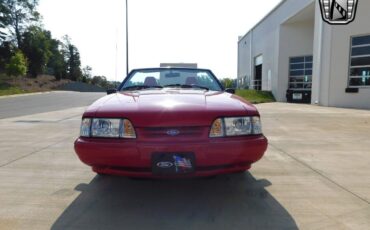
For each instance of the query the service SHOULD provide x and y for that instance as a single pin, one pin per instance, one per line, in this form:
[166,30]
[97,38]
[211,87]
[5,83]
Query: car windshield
[171,78]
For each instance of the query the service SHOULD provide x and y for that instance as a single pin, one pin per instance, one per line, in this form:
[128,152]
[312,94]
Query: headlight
[236,126]
[102,127]
[108,128]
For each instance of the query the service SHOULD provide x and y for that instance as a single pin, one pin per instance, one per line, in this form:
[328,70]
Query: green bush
[17,65]
[255,96]
[7,89]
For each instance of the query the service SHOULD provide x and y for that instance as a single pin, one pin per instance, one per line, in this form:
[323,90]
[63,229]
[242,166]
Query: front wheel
[240,172]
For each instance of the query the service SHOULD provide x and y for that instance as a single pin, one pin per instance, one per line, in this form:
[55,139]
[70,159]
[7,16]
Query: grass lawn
[6,89]
[256,97]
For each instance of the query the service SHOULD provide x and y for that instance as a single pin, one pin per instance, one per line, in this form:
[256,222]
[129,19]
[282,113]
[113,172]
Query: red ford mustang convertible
[170,122]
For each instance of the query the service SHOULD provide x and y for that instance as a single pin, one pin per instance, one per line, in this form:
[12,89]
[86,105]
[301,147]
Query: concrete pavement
[323,153]
[315,175]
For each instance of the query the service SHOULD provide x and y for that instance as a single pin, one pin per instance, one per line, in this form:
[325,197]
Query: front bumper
[133,157]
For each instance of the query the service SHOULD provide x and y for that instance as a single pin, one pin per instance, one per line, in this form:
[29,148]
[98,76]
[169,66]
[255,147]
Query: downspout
[251,61]
[319,63]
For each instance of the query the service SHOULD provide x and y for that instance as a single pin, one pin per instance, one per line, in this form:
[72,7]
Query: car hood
[169,107]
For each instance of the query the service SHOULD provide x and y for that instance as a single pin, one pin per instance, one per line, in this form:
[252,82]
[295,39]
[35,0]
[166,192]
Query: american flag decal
[338,12]
[182,164]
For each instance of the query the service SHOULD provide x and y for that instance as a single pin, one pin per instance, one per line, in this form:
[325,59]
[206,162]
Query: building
[295,54]
[180,65]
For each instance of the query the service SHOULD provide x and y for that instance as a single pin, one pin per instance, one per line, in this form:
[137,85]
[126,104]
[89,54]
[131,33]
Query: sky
[160,31]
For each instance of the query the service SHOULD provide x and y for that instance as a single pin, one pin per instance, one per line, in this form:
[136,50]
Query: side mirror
[230,90]
[111,91]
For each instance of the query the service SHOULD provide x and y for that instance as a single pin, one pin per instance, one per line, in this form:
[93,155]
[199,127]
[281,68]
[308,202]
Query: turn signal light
[217,129]
[128,129]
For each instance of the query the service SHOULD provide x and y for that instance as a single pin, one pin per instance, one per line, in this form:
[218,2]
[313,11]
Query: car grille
[173,132]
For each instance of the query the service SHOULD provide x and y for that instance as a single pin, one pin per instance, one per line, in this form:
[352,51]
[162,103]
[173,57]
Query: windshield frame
[128,77]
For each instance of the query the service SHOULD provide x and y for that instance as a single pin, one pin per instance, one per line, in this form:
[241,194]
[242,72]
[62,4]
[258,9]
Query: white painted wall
[244,52]
[264,39]
[321,60]
[332,78]
[296,39]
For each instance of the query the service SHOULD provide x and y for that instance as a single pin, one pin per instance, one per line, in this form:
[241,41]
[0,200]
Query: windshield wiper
[140,87]
[184,86]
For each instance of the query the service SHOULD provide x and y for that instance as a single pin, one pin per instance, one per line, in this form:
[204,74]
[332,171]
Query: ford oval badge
[173,132]
[164,164]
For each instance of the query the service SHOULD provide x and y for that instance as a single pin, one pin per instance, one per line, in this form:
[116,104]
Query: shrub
[17,65]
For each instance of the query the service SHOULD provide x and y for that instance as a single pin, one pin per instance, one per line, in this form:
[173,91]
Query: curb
[23,94]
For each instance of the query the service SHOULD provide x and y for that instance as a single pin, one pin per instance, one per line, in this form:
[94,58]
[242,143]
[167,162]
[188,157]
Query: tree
[6,52]
[86,74]
[227,83]
[74,64]
[57,65]
[72,58]
[100,81]
[20,29]
[35,45]
[17,16]
[4,21]
[17,65]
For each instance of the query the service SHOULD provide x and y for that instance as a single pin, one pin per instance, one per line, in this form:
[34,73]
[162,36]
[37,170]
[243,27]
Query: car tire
[140,178]
[240,172]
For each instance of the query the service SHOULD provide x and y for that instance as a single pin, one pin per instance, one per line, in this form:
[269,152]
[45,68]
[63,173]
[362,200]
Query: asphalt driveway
[315,175]
[20,105]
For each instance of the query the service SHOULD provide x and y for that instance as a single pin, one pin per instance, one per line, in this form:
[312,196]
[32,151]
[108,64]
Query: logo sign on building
[338,12]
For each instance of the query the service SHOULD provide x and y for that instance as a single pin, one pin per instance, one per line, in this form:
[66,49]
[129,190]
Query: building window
[359,72]
[300,73]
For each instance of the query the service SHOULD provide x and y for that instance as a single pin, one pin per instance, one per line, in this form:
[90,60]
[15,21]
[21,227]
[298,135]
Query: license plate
[173,163]
[297,96]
